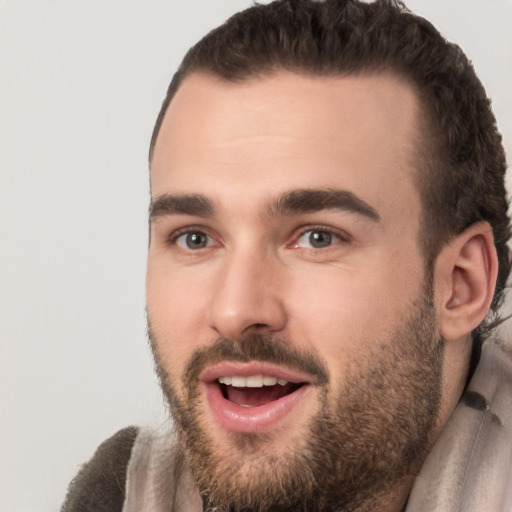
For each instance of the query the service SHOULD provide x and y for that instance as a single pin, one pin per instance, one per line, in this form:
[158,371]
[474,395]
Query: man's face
[290,313]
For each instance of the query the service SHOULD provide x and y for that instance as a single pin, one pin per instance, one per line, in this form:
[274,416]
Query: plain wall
[81,83]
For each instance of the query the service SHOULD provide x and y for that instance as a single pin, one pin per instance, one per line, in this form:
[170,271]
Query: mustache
[256,347]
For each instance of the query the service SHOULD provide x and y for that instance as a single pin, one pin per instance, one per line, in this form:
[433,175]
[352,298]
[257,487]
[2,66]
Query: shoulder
[100,484]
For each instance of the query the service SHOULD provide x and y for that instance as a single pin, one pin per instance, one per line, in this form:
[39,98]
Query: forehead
[271,134]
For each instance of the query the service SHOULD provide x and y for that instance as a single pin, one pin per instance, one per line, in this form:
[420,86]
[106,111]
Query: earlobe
[466,270]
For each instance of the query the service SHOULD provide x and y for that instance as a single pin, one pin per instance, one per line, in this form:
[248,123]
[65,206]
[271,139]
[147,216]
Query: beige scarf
[470,467]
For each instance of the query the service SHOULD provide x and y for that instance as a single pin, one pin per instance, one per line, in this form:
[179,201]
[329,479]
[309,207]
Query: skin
[243,145]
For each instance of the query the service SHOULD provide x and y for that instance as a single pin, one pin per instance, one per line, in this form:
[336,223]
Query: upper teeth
[253,381]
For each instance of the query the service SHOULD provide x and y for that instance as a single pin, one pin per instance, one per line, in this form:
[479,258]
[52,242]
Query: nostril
[257,328]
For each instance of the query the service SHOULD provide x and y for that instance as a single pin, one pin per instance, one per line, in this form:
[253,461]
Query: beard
[367,436]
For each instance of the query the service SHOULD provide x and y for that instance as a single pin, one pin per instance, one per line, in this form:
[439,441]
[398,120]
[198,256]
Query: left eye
[194,240]
[317,239]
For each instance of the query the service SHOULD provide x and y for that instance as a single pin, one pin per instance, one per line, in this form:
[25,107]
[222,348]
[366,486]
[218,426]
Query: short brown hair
[462,168]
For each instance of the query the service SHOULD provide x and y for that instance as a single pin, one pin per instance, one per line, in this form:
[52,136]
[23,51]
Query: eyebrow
[289,203]
[314,200]
[181,204]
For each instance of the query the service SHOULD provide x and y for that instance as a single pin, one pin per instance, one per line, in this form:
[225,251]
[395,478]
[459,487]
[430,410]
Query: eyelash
[175,235]
[342,237]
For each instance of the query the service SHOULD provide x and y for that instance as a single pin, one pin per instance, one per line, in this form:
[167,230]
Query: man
[328,230]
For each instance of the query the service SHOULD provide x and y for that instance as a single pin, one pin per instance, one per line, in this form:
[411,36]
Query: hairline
[423,154]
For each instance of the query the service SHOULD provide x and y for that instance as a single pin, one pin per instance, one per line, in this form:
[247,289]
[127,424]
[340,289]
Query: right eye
[193,240]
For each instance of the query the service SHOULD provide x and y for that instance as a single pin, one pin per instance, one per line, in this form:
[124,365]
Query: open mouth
[255,390]
[253,397]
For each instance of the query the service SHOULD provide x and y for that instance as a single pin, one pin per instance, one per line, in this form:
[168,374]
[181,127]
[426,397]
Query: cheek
[336,320]
[176,312]
[343,315]
[175,298]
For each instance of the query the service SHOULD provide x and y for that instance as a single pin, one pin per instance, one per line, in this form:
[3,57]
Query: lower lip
[259,419]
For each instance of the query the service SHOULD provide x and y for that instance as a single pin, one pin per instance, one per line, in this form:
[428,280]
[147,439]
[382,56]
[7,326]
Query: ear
[465,279]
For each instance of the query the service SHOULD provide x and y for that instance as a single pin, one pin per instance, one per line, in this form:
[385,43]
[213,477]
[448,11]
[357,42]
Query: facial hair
[368,435]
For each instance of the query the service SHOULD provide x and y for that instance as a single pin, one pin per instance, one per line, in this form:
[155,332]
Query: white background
[81,83]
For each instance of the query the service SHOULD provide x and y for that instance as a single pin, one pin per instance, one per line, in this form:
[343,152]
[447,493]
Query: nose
[247,296]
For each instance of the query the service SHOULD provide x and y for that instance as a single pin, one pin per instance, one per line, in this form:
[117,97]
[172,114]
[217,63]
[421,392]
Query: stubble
[369,435]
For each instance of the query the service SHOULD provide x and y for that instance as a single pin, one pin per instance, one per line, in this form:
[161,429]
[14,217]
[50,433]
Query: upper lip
[237,369]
